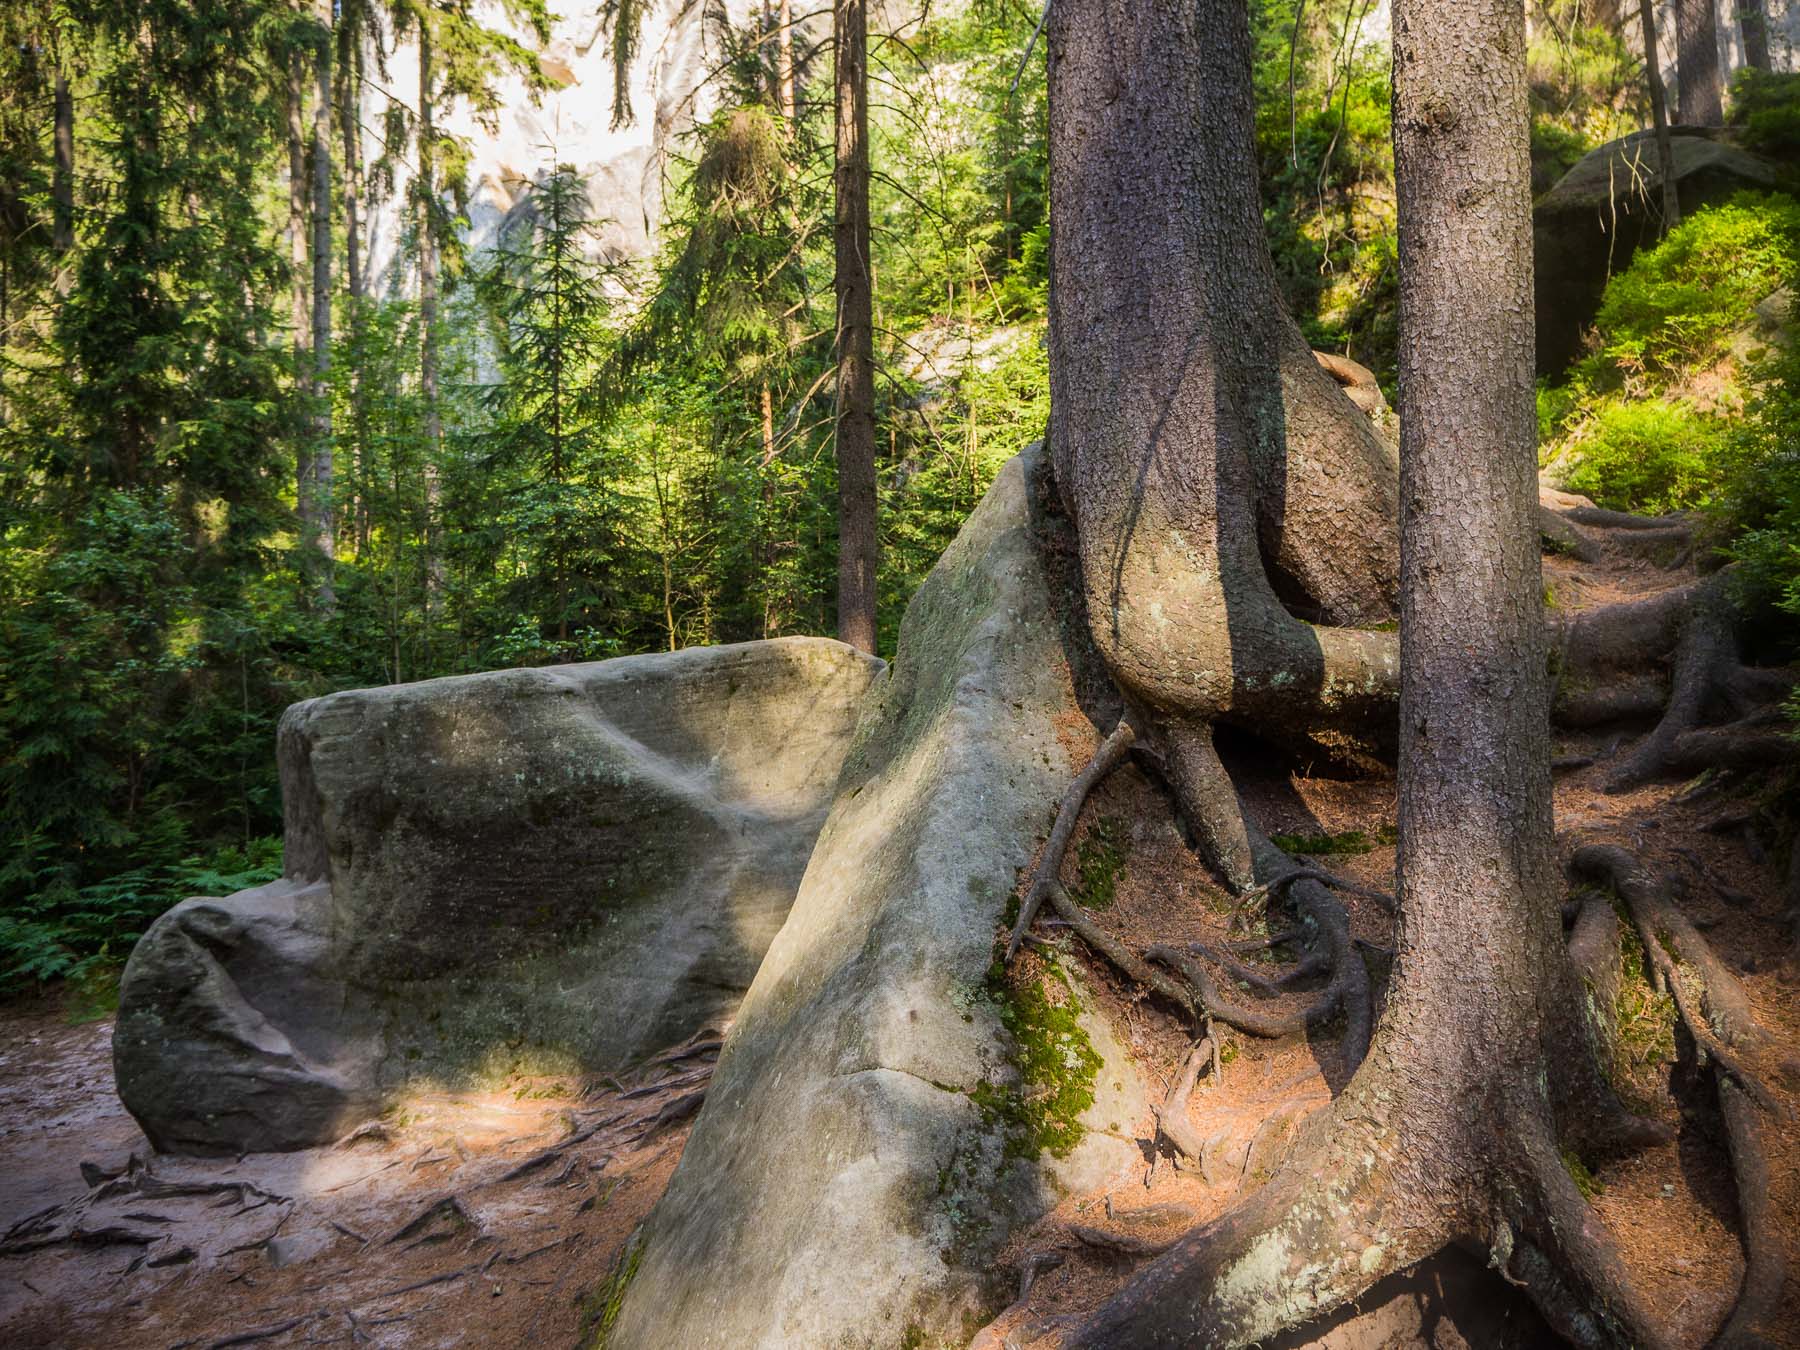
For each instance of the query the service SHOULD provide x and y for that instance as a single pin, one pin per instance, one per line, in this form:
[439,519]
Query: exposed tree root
[1603,656]
[1172,1124]
[1113,749]
[1718,1017]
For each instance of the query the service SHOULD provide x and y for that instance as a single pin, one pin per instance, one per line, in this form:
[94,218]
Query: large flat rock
[887,1109]
[550,869]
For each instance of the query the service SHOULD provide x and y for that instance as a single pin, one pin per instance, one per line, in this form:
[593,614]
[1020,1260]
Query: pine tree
[546,483]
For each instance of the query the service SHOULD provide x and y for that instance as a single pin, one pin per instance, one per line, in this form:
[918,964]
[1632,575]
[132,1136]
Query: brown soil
[316,1249]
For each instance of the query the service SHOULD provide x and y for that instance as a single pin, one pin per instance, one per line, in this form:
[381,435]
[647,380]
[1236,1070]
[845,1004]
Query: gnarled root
[1716,1012]
[1172,1124]
[1374,1189]
[1255,868]
[1331,1222]
[1694,627]
[1113,749]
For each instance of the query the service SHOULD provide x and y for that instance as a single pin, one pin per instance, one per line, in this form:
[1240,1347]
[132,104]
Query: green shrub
[1765,109]
[1555,149]
[1677,304]
[1760,511]
[1649,455]
[80,934]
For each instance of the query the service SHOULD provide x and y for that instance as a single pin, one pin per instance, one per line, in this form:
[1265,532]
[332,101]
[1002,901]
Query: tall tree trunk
[784,60]
[62,183]
[1659,112]
[350,128]
[350,114]
[318,505]
[299,301]
[857,541]
[1698,95]
[428,313]
[1753,24]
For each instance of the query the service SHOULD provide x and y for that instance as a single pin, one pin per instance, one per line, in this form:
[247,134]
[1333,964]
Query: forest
[300,398]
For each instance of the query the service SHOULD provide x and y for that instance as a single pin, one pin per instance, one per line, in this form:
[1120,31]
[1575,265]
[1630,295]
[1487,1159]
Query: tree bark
[1221,483]
[857,540]
[350,110]
[1699,93]
[299,300]
[62,184]
[1753,24]
[1659,111]
[428,314]
[1188,429]
[784,60]
[318,503]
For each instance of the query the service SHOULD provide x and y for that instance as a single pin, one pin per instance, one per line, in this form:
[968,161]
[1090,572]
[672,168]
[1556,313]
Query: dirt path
[487,1218]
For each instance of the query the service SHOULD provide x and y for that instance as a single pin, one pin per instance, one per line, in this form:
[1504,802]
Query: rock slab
[859,1159]
[540,870]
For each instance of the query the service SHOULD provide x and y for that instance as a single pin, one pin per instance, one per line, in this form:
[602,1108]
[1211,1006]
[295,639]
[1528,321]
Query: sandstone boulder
[546,869]
[1587,227]
[886,1110]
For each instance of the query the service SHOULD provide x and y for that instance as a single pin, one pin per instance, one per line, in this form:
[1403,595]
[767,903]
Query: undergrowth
[1765,110]
[1673,409]
[83,935]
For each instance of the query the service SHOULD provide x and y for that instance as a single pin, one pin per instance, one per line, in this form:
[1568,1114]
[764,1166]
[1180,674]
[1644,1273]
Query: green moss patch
[1100,861]
[605,1304]
[1321,845]
[1057,1063]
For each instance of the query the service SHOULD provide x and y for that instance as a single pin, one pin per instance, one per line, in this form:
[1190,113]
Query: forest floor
[488,1218]
[497,1218]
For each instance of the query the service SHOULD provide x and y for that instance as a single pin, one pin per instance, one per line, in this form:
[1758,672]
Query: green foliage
[1555,149]
[76,933]
[1765,110]
[1675,307]
[1622,428]
[538,482]
[1759,510]
[1326,163]
[1649,455]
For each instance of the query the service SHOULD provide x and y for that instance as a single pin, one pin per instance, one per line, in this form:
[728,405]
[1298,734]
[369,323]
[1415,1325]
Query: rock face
[1587,227]
[881,1118]
[553,868]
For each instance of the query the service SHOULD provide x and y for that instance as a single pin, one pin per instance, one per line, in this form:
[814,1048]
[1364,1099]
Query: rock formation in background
[531,870]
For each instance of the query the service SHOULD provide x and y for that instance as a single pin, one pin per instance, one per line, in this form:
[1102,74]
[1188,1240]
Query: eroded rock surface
[881,1117]
[532,870]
